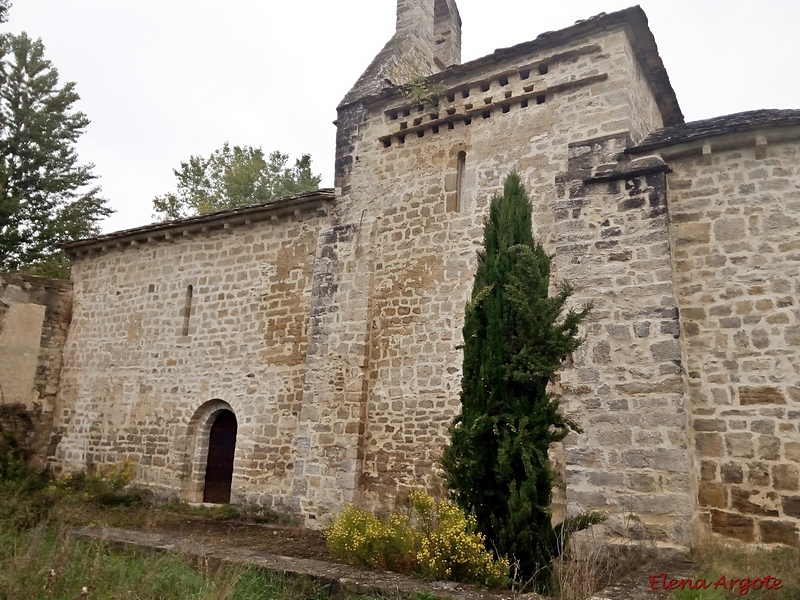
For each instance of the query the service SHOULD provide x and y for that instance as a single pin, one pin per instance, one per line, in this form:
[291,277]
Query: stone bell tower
[427,40]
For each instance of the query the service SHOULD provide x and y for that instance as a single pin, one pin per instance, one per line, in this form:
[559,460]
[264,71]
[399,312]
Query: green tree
[233,177]
[46,196]
[515,339]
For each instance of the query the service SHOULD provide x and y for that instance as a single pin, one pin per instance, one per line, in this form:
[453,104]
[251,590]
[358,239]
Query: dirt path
[296,542]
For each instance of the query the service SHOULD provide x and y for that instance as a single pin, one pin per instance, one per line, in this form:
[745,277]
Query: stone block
[758,474]
[666,350]
[710,425]
[641,482]
[729,229]
[786,477]
[792,451]
[791,506]
[754,502]
[708,445]
[778,532]
[732,473]
[794,393]
[733,525]
[693,233]
[642,329]
[769,447]
[760,395]
[708,470]
[664,459]
[740,444]
[661,503]
[762,426]
[605,479]
[693,313]
[712,495]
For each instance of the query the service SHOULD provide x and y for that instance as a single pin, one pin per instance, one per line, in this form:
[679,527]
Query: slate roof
[735,123]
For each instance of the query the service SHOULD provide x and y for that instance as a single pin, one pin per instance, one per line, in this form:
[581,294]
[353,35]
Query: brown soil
[295,542]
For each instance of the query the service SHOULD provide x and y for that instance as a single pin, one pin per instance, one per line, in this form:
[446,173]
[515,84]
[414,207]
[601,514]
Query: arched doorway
[219,466]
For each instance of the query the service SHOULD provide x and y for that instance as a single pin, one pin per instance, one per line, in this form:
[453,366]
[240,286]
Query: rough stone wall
[145,370]
[34,317]
[625,388]
[736,231]
[395,274]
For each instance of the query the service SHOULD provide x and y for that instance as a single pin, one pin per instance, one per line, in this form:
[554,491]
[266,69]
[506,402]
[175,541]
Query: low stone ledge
[357,580]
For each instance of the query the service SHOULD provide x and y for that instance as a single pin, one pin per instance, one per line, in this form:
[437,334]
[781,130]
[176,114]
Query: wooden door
[219,468]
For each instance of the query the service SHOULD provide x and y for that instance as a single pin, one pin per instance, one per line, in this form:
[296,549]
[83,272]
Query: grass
[716,560]
[229,512]
[39,559]
[590,564]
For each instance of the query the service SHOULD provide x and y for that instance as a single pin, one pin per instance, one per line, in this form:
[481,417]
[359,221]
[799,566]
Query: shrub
[437,540]
[360,538]
[450,546]
[110,486]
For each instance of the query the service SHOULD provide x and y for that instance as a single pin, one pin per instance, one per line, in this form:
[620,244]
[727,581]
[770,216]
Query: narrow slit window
[461,161]
[187,311]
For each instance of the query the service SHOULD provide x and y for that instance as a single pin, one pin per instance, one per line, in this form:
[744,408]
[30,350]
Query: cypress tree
[515,338]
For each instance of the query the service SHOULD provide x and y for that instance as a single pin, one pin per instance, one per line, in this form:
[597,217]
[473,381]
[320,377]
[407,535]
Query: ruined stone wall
[34,316]
[146,367]
[736,232]
[393,277]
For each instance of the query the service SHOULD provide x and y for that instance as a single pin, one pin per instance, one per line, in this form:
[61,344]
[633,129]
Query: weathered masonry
[34,317]
[304,353]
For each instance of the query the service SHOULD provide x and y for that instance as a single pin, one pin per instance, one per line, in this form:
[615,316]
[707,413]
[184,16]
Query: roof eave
[224,219]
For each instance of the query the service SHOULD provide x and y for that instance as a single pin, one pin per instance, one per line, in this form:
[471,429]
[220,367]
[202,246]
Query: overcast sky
[164,79]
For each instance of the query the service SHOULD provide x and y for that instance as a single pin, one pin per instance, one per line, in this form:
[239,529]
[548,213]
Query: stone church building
[303,353]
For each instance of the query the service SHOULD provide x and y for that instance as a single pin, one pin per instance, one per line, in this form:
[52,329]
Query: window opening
[454,204]
[187,311]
